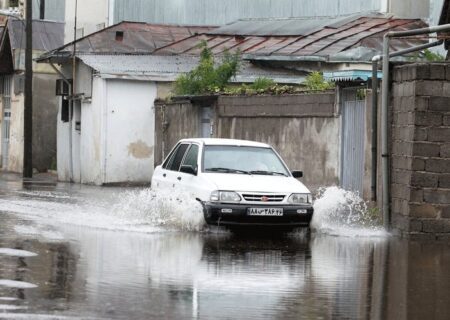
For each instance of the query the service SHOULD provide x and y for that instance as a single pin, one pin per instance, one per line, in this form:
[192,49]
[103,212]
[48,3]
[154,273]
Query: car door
[187,181]
[197,185]
[169,171]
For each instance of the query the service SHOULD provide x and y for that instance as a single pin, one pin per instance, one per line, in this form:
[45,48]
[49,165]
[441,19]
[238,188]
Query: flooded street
[71,251]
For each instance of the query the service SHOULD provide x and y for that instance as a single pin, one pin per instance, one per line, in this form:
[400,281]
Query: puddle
[16,253]
[16,284]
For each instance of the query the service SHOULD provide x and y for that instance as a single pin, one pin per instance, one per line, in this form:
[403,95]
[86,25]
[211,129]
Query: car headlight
[225,196]
[300,198]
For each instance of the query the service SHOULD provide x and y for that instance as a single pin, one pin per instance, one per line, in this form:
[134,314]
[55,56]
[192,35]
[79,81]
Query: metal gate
[205,122]
[6,119]
[353,134]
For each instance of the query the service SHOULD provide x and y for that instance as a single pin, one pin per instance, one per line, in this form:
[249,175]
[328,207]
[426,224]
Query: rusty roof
[312,43]
[47,35]
[129,38]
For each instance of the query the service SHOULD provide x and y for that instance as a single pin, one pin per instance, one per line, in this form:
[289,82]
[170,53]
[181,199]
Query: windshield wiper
[270,173]
[227,170]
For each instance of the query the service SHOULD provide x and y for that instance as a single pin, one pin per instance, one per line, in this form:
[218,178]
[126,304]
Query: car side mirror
[297,174]
[188,169]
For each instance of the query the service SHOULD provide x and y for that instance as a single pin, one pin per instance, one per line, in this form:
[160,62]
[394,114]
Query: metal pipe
[416,48]
[384,134]
[384,109]
[373,185]
[73,91]
[28,94]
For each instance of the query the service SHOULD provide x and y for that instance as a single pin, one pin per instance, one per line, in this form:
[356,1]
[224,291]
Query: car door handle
[179,178]
[164,175]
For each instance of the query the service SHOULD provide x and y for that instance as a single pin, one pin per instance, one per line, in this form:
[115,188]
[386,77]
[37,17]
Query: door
[6,119]
[129,131]
[205,122]
[353,135]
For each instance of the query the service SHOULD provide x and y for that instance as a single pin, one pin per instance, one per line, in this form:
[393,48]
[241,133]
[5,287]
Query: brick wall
[420,148]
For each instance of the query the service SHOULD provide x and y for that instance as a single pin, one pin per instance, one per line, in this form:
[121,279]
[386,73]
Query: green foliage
[361,94]
[433,56]
[206,77]
[253,89]
[262,83]
[315,81]
[427,55]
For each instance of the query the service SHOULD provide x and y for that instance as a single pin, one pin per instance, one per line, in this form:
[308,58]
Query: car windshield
[243,160]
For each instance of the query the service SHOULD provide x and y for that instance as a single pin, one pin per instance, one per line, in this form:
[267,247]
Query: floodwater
[79,252]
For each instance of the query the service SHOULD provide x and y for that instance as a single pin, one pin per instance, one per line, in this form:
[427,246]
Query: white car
[238,183]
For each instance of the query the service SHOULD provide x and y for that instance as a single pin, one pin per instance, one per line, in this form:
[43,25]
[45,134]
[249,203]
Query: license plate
[265,211]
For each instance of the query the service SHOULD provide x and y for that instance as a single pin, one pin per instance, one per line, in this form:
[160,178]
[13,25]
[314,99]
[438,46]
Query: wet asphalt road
[68,251]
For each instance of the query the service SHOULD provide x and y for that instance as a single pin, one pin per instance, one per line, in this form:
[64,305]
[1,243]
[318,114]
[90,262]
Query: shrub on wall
[206,77]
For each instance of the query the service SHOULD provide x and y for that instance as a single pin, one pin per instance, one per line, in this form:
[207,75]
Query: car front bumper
[224,214]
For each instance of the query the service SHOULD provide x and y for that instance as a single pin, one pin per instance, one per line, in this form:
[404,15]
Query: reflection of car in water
[239,183]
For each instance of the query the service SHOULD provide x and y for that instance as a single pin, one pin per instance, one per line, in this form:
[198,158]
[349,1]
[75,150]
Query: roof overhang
[350,75]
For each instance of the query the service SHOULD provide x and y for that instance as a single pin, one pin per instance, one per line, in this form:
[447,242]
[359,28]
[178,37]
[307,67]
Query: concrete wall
[15,153]
[91,15]
[420,177]
[304,129]
[45,108]
[410,9]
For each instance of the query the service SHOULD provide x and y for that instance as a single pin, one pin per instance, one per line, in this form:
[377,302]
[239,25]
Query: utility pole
[28,106]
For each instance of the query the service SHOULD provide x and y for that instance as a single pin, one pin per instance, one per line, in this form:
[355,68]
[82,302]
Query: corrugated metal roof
[283,26]
[137,37]
[220,12]
[168,68]
[47,35]
[326,41]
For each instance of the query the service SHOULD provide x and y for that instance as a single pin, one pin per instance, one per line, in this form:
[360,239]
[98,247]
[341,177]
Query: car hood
[256,183]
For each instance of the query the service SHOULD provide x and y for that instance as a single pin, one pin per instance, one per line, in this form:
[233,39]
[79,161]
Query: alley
[81,252]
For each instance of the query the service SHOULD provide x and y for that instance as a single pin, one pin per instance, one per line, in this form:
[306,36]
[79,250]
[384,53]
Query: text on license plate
[265,211]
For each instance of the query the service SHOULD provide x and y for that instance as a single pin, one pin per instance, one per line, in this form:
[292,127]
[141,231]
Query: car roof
[226,142]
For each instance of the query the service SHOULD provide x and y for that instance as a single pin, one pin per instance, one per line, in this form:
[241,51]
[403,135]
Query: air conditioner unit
[62,88]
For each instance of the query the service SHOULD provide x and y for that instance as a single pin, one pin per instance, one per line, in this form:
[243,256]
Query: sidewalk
[38,178]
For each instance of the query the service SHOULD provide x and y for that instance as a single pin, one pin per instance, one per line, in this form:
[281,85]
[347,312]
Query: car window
[175,161]
[232,159]
[170,156]
[191,156]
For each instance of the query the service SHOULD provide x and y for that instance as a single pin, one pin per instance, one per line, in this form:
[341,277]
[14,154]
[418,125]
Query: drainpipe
[70,120]
[384,108]
[375,61]
[373,185]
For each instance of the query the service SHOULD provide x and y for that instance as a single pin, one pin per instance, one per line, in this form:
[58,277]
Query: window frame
[188,144]
[187,151]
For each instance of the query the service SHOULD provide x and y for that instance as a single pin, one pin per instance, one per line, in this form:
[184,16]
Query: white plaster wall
[89,15]
[15,153]
[91,156]
[130,127]
[63,149]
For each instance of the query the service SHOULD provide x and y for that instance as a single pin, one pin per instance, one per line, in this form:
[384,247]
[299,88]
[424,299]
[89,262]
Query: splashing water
[341,212]
[172,210]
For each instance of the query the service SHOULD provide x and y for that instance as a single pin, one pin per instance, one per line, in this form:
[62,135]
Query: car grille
[264,198]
